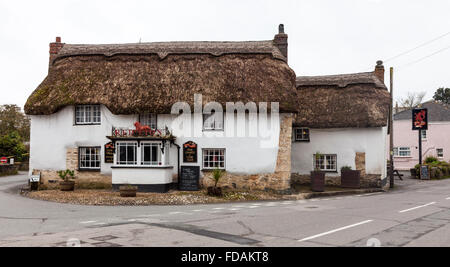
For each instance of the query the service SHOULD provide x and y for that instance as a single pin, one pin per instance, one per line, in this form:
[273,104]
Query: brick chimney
[379,71]
[281,41]
[54,49]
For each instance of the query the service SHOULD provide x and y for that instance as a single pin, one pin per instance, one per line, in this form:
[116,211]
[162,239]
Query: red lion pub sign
[420,119]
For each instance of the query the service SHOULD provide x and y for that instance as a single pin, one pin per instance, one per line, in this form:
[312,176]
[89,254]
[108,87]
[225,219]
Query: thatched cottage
[109,112]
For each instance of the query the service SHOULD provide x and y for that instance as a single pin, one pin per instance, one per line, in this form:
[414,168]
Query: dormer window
[87,114]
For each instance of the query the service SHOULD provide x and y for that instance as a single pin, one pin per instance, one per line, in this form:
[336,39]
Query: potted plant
[67,184]
[128,190]
[214,190]
[317,176]
[350,178]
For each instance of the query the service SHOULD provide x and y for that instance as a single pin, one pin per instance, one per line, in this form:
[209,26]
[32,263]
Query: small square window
[423,134]
[301,135]
[213,121]
[402,152]
[214,159]
[148,120]
[440,152]
[325,162]
[87,114]
[89,158]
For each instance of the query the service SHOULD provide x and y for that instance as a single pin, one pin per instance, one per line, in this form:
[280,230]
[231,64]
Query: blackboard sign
[109,153]
[190,152]
[189,178]
[424,174]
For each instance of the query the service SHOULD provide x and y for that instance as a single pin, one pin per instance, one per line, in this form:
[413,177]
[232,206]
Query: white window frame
[300,135]
[158,161]
[213,121]
[88,115]
[327,166]
[83,155]
[423,134]
[441,152]
[209,165]
[149,119]
[402,152]
[126,162]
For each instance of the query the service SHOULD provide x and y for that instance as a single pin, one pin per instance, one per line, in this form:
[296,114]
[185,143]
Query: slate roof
[436,112]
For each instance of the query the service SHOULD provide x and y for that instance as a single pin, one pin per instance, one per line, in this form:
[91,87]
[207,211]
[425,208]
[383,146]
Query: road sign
[3,160]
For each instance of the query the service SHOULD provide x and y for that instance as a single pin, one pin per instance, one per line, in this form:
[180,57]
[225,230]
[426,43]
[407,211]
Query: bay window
[150,154]
[126,153]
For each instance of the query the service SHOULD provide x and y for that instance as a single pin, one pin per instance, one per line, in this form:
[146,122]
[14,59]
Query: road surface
[415,214]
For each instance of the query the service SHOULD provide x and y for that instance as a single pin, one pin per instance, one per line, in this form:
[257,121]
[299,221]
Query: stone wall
[279,181]
[83,179]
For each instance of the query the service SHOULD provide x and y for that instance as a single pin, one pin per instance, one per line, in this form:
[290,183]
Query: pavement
[415,213]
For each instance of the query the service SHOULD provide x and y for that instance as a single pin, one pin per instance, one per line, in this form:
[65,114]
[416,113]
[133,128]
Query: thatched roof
[342,101]
[151,77]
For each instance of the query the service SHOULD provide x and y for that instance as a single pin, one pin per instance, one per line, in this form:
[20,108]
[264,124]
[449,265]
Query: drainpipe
[178,160]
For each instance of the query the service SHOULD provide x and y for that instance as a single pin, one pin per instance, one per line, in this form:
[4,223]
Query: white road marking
[218,208]
[334,231]
[197,210]
[100,224]
[418,207]
[234,209]
[448,198]
[87,222]
[132,220]
[175,212]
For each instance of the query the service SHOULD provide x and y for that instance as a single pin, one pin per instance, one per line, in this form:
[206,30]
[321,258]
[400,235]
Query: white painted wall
[51,135]
[151,176]
[345,143]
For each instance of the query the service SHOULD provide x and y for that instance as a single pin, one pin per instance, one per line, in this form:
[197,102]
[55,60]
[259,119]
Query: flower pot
[215,191]
[351,179]
[317,181]
[67,186]
[128,191]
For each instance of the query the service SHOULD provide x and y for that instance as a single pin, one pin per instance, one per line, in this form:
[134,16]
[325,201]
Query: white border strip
[418,207]
[334,231]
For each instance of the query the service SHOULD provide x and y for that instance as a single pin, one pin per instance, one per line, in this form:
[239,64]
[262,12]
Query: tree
[412,100]
[11,145]
[442,95]
[13,119]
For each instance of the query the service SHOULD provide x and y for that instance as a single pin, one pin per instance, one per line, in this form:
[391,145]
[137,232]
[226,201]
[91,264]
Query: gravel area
[109,198]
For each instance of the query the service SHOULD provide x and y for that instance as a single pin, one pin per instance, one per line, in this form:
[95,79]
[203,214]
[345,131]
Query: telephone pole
[391,131]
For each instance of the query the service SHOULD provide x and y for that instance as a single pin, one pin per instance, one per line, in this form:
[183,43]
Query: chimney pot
[379,71]
[281,41]
[58,39]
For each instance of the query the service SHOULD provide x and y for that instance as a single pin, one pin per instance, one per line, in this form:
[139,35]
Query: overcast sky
[325,36]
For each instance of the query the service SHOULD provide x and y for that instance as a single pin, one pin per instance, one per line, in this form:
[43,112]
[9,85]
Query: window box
[351,179]
[317,181]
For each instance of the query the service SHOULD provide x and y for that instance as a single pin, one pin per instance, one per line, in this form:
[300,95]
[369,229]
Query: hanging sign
[109,153]
[190,152]
[420,119]
[3,160]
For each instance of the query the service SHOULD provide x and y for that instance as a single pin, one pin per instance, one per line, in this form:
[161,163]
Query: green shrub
[346,168]
[431,159]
